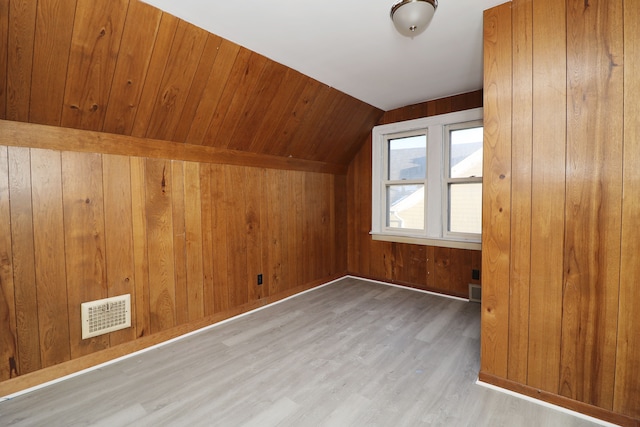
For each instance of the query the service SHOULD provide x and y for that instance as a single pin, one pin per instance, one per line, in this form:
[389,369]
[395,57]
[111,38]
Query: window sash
[448,181]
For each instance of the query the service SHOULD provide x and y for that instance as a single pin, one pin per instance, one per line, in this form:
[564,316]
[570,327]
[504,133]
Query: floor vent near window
[105,315]
[475,293]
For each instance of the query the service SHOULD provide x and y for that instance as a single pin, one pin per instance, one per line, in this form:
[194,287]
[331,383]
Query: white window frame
[435,210]
[447,180]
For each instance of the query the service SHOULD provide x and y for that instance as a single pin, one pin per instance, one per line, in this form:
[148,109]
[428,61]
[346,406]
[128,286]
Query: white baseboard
[546,404]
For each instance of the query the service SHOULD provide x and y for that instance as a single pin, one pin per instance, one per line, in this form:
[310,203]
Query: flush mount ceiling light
[411,17]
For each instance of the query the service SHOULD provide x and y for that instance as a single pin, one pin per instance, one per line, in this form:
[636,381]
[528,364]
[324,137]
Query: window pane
[465,208]
[466,153]
[408,158]
[405,206]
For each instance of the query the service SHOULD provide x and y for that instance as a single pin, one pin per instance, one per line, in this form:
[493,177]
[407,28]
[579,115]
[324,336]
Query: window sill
[444,243]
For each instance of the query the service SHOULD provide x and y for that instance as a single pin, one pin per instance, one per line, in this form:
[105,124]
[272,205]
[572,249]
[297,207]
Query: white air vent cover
[105,315]
[475,293]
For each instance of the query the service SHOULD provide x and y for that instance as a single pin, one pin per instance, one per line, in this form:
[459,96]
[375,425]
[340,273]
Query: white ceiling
[352,45]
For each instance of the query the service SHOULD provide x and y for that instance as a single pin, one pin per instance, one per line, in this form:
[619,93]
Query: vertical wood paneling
[442,268]
[411,261]
[362,211]
[331,224]
[126,67]
[288,235]
[24,275]
[154,74]
[312,111]
[354,214]
[51,277]
[460,277]
[306,232]
[274,269]
[340,147]
[252,214]
[627,380]
[309,232]
[138,40]
[118,221]
[105,225]
[289,223]
[347,109]
[574,86]
[283,134]
[162,286]
[326,225]
[140,250]
[237,230]
[382,260]
[296,226]
[4,47]
[593,206]
[206,206]
[547,193]
[218,77]
[272,137]
[193,232]
[222,279]
[8,330]
[54,25]
[292,84]
[245,75]
[496,188]
[94,48]
[430,265]
[84,245]
[521,190]
[260,101]
[264,290]
[339,211]
[323,102]
[179,241]
[21,30]
[200,79]
[181,66]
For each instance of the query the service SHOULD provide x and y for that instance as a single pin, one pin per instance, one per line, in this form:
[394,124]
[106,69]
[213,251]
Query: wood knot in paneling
[163,183]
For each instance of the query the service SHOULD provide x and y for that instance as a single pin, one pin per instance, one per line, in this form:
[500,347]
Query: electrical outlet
[475,274]
[259,279]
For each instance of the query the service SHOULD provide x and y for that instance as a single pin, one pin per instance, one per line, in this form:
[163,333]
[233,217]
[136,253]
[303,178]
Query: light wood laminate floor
[353,353]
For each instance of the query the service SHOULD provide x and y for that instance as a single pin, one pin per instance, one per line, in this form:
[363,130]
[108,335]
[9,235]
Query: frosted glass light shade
[412,17]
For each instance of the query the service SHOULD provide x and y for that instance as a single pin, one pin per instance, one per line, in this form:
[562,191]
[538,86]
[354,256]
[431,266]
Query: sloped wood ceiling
[124,67]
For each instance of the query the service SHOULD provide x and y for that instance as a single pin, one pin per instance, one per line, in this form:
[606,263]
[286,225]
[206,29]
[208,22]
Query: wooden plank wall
[124,67]
[432,268]
[561,204]
[186,239]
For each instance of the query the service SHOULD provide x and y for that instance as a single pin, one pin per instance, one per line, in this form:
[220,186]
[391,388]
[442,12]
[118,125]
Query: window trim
[435,181]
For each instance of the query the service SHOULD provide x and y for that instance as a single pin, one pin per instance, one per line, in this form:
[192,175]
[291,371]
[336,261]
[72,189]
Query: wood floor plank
[350,354]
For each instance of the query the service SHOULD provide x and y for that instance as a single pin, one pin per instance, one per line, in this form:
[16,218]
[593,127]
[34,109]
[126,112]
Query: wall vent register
[105,315]
[475,293]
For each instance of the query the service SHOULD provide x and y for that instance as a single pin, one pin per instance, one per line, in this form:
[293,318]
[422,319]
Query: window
[463,180]
[405,180]
[427,180]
